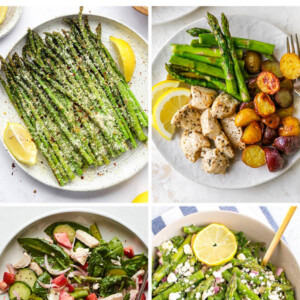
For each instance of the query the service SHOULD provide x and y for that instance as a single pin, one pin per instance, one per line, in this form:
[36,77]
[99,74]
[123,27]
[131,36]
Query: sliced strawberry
[3,286]
[70,288]
[85,267]
[9,278]
[128,251]
[143,297]
[65,296]
[63,239]
[91,297]
[60,281]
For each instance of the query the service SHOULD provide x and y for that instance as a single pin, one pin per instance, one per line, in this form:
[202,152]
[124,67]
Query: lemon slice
[3,11]
[141,198]
[165,108]
[20,144]
[162,87]
[127,57]
[214,245]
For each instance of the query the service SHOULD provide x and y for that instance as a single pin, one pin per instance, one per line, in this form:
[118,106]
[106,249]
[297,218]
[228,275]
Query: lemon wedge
[165,108]
[214,245]
[127,56]
[162,87]
[20,144]
[3,11]
[141,198]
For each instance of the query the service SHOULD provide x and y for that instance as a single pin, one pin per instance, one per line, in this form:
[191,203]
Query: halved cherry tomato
[9,278]
[70,288]
[128,251]
[91,297]
[60,281]
[268,83]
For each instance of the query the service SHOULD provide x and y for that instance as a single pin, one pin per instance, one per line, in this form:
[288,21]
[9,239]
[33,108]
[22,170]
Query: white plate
[126,165]
[254,230]
[238,175]
[12,17]
[163,14]
[109,227]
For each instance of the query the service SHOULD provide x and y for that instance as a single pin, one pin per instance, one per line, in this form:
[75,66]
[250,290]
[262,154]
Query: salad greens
[74,262]
[177,274]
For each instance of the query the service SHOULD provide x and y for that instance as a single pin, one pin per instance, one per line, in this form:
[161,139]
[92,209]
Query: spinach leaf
[116,248]
[39,290]
[39,247]
[108,284]
[131,266]
[53,263]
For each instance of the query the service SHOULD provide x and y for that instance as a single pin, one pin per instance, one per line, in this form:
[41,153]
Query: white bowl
[254,230]
[109,227]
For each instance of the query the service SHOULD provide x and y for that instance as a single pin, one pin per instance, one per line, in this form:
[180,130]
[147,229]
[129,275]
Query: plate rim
[19,11]
[143,163]
[241,187]
[71,210]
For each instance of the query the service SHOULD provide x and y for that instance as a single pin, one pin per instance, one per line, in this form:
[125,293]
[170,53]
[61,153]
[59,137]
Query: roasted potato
[246,105]
[264,106]
[252,86]
[287,144]
[290,66]
[289,126]
[272,121]
[245,116]
[287,84]
[274,159]
[273,67]
[253,62]
[269,136]
[252,133]
[254,156]
[268,83]
[285,112]
[284,98]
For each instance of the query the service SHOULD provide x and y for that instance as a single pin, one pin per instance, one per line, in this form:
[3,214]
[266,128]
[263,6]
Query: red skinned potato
[273,67]
[252,86]
[272,121]
[269,136]
[247,105]
[264,106]
[274,159]
[287,144]
[268,83]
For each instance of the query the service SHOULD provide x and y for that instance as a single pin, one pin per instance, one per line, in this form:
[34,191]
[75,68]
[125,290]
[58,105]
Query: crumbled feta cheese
[187,274]
[241,256]
[261,289]
[187,249]
[208,293]
[252,274]
[171,278]
[174,296]
[244,281]
[174,250]
[198,295]
[274,296]
[217,274]
[96,286]
[167,245]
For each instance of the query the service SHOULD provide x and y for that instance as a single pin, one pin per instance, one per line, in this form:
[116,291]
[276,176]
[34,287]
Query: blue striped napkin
[270,216]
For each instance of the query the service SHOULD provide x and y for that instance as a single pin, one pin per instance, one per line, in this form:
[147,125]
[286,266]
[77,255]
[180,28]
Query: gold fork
[296,81]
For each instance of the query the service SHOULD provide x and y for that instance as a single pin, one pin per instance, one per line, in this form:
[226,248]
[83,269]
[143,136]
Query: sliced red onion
[52,271]
[254,272]
[84,273]
[47,285]
[11,269]
[164,279]
[59,289]
[160,261]
[278,271]
[74,273]
[17,295]
[226,267]
[218,280]
[216,289]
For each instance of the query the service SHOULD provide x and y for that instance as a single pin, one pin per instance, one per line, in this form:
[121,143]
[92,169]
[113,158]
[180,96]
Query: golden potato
[272,121]
[254,156]
[285,112]
[245,116]
[290,66]
[264,105]
[252,133]
[289,126]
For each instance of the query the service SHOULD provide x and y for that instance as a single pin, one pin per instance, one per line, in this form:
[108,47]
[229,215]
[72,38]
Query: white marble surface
[17,216]
[17,186]
[168,184]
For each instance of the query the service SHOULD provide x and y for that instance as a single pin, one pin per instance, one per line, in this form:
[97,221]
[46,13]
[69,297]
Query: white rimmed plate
[238,175]
[109,226]
[121,168]
[254,230]
[12,17]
